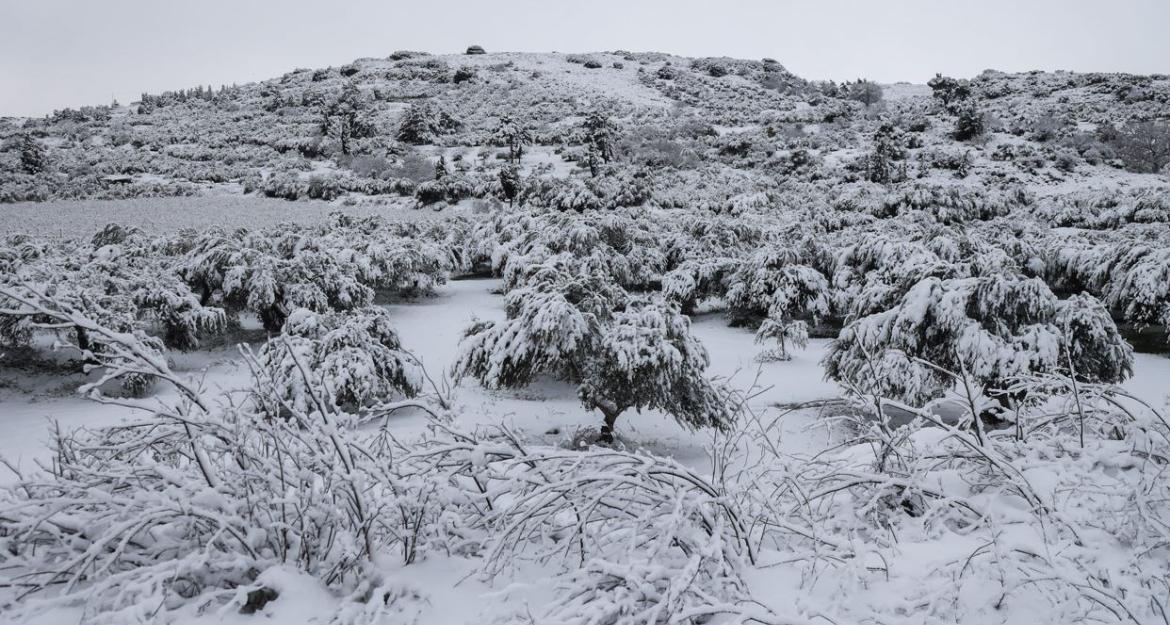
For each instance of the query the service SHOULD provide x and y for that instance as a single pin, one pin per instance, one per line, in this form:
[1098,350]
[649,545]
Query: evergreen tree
[33,159]
[422,124]
[418,125]
[622,352]
[347,118]
[879,165]
[969,124]
[510,184]
[512,135]
[600,138]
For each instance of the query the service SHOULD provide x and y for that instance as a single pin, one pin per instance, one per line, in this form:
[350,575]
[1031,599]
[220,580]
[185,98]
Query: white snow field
[451,590]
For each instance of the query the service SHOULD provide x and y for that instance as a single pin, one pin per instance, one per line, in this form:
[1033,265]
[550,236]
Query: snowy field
[544,413]
[431,328]
[67,218]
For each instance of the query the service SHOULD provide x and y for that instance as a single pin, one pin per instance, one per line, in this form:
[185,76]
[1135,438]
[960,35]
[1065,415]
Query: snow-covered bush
[623,352]
[982,332]
[785,333]
[773,282]
[352,360]
[974,526]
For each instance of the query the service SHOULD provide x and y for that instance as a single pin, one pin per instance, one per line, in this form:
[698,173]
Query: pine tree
[512,135]
[347,118]
[969,124]
[33,159]
[510,184]
[600,138]
[418,125]
[879,165]
[622,352]
[784,333]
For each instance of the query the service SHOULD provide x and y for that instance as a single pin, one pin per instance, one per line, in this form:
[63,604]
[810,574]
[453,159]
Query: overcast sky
[58,53]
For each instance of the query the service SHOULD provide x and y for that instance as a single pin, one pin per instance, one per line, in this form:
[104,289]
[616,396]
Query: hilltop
[690,131]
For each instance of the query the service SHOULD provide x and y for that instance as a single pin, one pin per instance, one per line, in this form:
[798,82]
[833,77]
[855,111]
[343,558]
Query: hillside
[693,131]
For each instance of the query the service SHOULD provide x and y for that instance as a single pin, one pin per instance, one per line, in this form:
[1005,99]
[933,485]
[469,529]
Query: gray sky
[58,53]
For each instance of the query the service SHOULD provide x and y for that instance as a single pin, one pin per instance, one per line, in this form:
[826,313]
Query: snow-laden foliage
[623,352]
[272,273]
[350,360]
[786,334]
[1132,279]
[929,519]
[987,470]
[978,331]
[203,508]
[774,283]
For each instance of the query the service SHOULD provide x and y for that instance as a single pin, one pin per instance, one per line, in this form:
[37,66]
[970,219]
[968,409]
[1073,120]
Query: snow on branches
[352,360]
[623,352]
[989,330]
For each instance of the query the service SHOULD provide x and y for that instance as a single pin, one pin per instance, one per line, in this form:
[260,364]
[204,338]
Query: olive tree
[623,352]
[983,332]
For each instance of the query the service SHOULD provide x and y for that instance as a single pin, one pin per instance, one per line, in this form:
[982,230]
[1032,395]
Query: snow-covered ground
[431,329]
[65,219]
[547,412]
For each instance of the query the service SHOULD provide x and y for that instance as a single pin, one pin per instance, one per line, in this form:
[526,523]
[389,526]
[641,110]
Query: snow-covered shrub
[773,282]
[423,123]
[205,507]
[352,360]
[272,272]
[696,280]
[977,526]
[978,331]
[785,333]
[1131,278]
[622,352]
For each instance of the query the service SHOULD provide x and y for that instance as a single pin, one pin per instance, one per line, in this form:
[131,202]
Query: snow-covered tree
[423,123]
[352,360]
[969,122]
[622,352]
[347,118]
[1144,146]
[786,334]
[880,164]
[773,282]
[510,184]
[33,159]
[512,135]
[865,91]
[648,358]
[948,90]
[600,135]
[981,331]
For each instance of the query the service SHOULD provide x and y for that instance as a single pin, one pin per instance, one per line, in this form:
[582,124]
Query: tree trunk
[611,416]
[84,344]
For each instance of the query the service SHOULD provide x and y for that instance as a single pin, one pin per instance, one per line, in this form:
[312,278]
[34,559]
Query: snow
[64,219]
[915,526]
